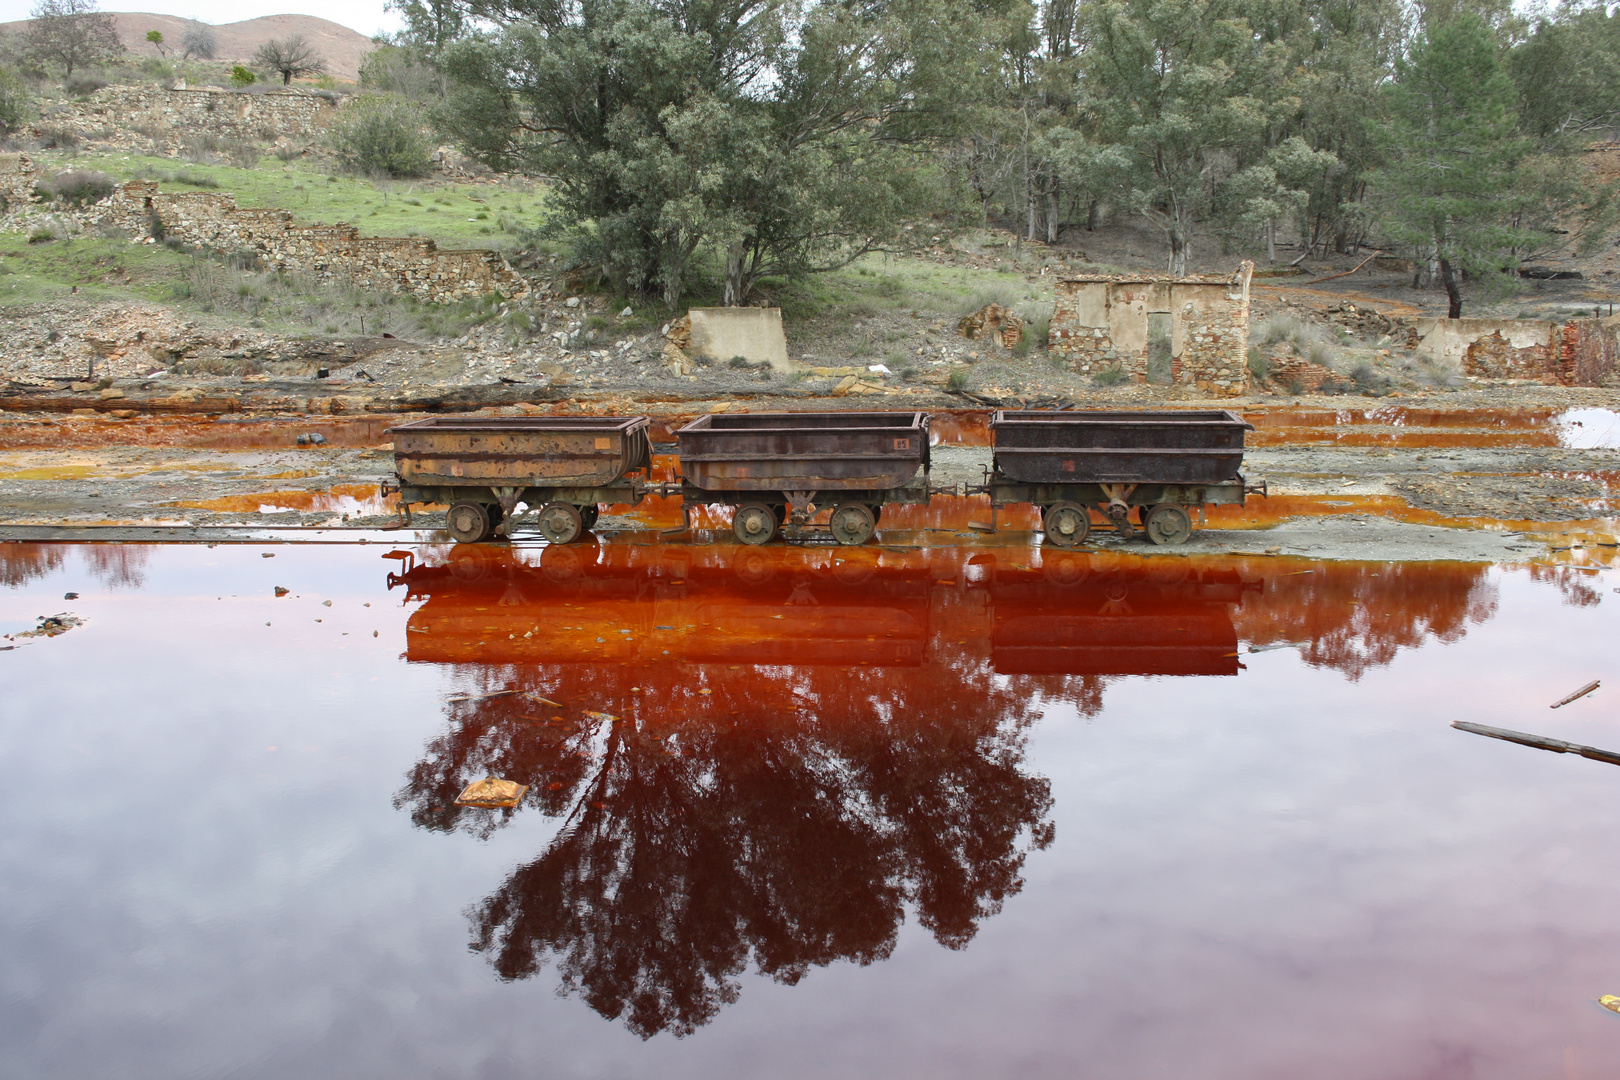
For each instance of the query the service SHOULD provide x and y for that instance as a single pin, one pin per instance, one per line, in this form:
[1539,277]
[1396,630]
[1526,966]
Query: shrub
[957,380]
[244,155]
[382,134]
[57,138]
[77,187]
[1110,376]
[15,104]
[84,87]
[288,153]
[241,76]
[1259,366]
[199,148]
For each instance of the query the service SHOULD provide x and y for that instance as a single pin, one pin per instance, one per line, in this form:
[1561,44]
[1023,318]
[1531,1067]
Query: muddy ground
[1477,475]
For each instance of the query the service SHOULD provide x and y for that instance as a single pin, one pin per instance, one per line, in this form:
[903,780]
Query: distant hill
[342,47]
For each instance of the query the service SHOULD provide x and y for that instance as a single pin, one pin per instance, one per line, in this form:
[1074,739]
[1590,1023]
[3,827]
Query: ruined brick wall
[214,221]
[1588,352]
[1496,357]
[1298,375]
[1201,322]
[162,119]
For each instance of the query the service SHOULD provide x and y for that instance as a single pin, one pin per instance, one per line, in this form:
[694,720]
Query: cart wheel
[588,515]
[469,564]
[1067,570]
[1066,524]
[468,523]
[754,567]
[854,567]
[1168,523]
[852,523]
[560,523]
[564,564]
[754,523]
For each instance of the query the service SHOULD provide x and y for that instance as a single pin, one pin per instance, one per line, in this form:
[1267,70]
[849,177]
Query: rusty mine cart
[774,467]
[1164,464]
[483,467]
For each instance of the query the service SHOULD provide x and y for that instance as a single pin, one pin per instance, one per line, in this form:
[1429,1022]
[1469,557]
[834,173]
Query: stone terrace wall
[211,220]
[169,116]
[1098,322]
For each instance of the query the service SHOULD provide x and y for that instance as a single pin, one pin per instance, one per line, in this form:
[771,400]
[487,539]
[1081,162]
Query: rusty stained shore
[1405,426]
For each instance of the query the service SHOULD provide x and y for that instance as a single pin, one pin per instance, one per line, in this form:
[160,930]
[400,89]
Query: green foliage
[670,141]
[1462,185]
[393,69]
[16,104]
[1259,365]
[382,135]
[241,76]
[1567,72]
[1113,375]
[70,34]
[957,379]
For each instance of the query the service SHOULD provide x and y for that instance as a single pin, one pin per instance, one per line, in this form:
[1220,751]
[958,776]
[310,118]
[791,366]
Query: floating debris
[491,793]
[282,590]
[606,718]
[1539,742]
[475,697]
[52,625]
[1582,692]
[1610,1002]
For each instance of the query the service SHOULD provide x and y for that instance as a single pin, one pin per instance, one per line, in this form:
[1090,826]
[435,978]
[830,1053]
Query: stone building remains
[1190,331]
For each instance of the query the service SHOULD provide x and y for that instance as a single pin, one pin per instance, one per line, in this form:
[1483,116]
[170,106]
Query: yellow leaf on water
[1610,1002]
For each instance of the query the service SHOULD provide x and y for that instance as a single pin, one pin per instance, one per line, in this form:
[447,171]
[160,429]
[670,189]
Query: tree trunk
[1450,278]
[736,290]
[1052,214]
[1271,242]
[1179,243]
[1093,215]
[1029,207]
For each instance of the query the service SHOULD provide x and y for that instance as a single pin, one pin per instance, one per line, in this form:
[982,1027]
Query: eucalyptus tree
[786,138]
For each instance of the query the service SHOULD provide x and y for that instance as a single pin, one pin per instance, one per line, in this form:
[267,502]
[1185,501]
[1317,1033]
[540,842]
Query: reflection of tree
[786,819]
[1354,617]
[1576,583]
[765,759]
[22,563]
[118,566]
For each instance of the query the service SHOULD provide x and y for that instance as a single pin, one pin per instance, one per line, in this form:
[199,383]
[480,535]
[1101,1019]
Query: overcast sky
[365,16]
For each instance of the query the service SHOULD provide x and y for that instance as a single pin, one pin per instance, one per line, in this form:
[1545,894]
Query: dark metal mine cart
[1164,464]
[776,467]
[484,466]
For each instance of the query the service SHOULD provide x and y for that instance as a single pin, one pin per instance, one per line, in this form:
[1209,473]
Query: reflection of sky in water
[1296,870]
[1589,429]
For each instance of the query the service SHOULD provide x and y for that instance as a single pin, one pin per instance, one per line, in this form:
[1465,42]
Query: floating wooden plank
[1538,742]
[1582,692]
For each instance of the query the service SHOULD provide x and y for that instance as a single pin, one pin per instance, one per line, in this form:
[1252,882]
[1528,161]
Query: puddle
[1406,426]
[855,812]
[352,499]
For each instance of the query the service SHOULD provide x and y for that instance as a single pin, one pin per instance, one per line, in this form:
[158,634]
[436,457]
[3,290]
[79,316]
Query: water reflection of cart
[1078,613]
